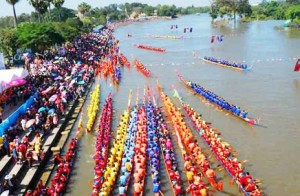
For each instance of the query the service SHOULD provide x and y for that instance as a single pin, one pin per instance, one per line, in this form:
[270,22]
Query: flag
[212,39]
[176,94]
[222,37]
[297,66]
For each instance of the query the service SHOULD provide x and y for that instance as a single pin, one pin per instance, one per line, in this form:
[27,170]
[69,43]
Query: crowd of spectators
[58,78]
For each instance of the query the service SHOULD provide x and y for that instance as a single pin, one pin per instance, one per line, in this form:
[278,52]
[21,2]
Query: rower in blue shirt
[122,180]
[238,111]
[244,114]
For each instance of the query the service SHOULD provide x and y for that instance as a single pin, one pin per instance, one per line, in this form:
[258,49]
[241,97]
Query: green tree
[7,22]
[293,12]
[244,8]
[166,10]
[225,10]
[38,36]
[293,2]
[8,41]
[62,14]
[214,11]
[13,3]
[84,8]
[40,7]
[67,31]
[58,5]
[23,18]
[148,10]
[75,22]
[280,13]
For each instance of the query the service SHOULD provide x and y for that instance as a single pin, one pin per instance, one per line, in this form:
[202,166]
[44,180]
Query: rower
[244,114]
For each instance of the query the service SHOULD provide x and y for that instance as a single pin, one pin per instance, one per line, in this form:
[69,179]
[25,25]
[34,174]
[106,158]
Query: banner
[2,64]
[12,119]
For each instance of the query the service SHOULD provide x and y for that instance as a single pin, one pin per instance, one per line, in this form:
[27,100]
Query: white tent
[7,75]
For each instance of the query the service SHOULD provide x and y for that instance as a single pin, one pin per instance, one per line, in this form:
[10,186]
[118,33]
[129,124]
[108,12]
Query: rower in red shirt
[250,187]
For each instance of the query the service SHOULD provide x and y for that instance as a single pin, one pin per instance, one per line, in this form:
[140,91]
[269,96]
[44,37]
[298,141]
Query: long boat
[150,48]
[102,144]
[114,159]
[127,158]
[93,108]
[187,143]
[140,155]
[166,148]
[164,133]
[140,67]
[124,60]
[167,36]
[225,65]
[117,74]
[219,63]
[207,133]
[189,84]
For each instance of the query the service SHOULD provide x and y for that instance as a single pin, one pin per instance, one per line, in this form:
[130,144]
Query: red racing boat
[150,48]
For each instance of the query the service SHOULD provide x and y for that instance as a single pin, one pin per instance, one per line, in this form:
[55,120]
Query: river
[270,91]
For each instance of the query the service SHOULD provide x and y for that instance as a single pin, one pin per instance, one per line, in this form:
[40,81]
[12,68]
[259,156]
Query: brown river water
[271,91]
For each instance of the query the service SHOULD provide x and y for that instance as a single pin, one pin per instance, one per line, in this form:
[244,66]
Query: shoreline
[141,20]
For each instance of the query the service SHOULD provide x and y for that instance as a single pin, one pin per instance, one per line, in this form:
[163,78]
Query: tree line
[266,10]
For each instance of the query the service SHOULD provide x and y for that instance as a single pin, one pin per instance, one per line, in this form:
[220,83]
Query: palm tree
[40,6]
[58,4]
[83,8]
[49,10]
[13,3]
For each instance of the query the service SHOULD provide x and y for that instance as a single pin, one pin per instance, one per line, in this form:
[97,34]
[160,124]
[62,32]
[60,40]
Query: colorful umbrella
[68,78]
[58,78]
[42,109]
[30,123]
[17,82]
[53,98]
[51,111]
[5,193]
[72,82]
[81,82]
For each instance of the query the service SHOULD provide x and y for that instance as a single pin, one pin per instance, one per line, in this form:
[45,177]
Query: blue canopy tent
[98,29]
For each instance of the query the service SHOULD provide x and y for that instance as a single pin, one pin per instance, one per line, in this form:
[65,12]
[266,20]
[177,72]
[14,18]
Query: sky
[24,7]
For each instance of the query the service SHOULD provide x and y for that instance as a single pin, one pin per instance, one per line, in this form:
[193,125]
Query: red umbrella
[30,123]
[58,101]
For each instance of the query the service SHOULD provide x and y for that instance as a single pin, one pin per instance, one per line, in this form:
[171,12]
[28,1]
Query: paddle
[220,168]
[212,190]
[231,182]
[257,180]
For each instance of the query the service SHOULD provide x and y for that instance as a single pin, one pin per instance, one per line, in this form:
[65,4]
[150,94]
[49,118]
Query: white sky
[24,7]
